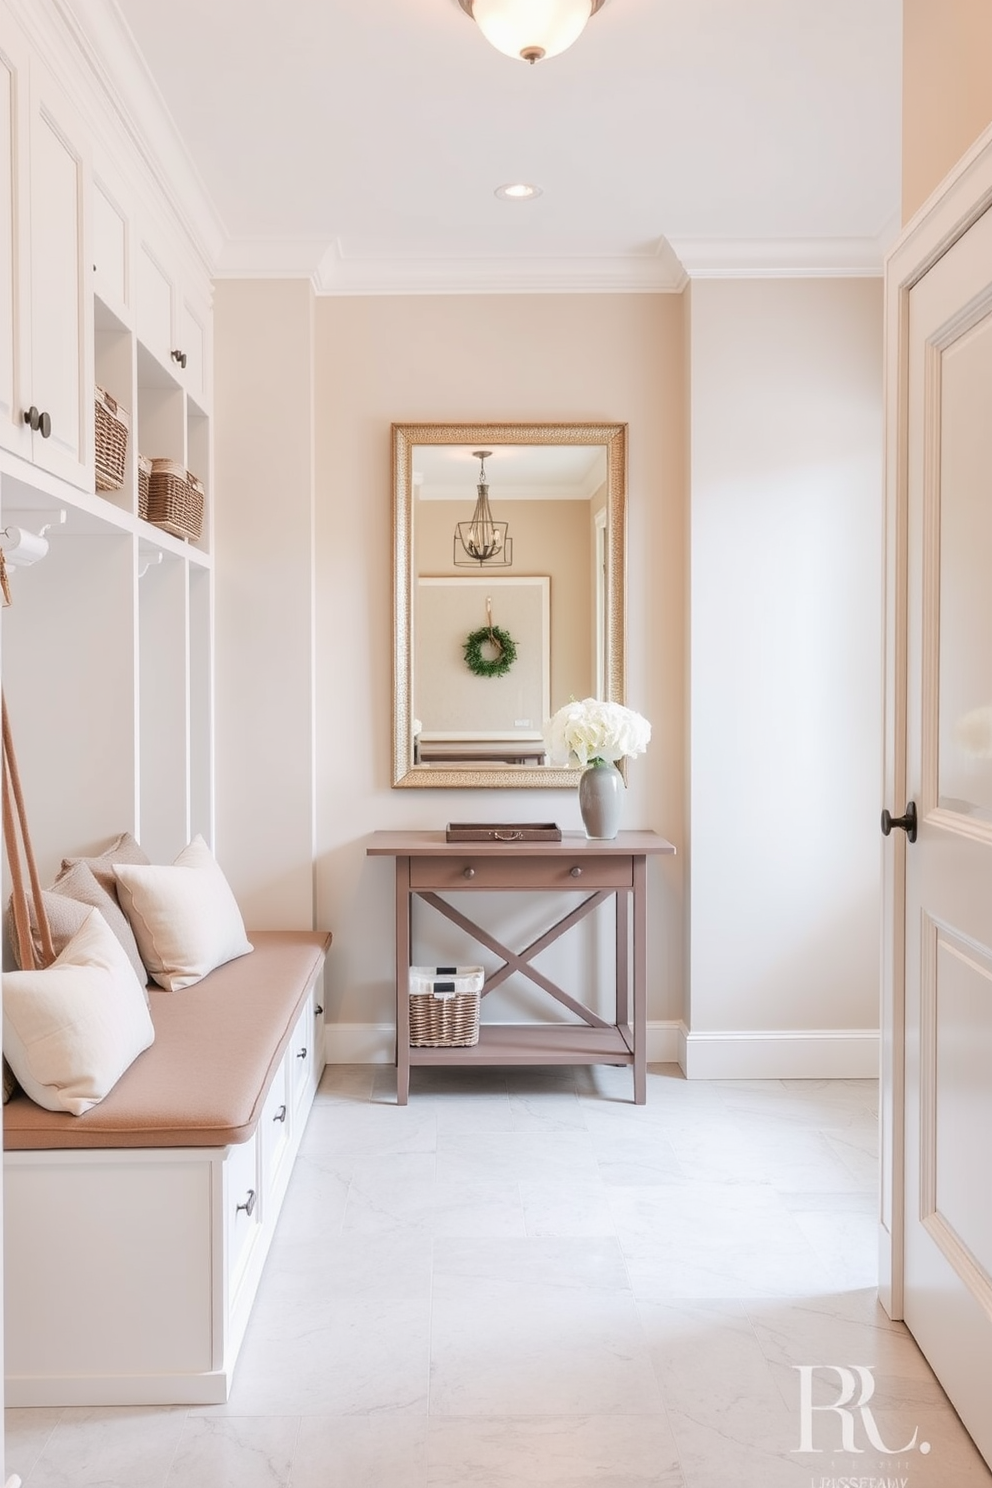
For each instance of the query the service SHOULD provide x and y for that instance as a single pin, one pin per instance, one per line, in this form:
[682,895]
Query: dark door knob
[40,422]
[908,823]
[180,357]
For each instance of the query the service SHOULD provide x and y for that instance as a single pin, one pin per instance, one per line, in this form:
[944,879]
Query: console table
[428,866]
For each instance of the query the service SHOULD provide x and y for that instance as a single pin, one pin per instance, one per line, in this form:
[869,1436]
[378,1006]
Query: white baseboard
[780,1054]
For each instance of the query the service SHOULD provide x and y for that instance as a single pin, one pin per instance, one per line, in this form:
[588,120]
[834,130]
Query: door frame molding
[963,197]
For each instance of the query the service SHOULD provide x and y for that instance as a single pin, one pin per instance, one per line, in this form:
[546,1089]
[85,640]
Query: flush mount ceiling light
[482,540]
[518,191]
[531,29]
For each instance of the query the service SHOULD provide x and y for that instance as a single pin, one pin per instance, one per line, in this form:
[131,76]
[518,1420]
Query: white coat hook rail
[24,539]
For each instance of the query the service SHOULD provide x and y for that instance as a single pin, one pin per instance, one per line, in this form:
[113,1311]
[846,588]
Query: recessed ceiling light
[518,191]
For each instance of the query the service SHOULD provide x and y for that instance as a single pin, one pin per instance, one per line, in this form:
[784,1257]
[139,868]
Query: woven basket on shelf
[175,499]
[112,423]
[444,1006]
[144,480]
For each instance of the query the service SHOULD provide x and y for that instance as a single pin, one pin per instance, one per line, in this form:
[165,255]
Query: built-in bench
[135,1235]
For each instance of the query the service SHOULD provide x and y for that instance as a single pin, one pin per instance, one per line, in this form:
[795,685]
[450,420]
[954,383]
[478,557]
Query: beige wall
[263,531]
[947,89]
[785,705]
[457,358]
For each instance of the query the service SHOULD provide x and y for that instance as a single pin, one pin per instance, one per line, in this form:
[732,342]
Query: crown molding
[786,258]
[334,272]
[102,39]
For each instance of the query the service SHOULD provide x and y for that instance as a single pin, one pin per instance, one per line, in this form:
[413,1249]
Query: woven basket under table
[444,1009]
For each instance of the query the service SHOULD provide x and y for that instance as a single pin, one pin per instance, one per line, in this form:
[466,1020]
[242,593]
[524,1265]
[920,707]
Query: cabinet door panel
[154,308]
[57,293]
[191,342]
[14,434]
[109,251]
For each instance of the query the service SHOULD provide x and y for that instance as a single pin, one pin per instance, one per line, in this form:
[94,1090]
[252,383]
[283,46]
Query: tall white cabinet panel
[14,237]
[156,295]
[61,308]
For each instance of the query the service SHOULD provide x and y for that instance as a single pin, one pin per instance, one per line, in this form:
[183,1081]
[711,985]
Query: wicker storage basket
[144,481]
[112,422]
[175,499]
[444,1006]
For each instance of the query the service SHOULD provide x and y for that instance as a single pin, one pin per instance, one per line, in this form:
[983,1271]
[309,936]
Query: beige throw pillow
[185,918]
[124,849]
[79,882]
[72,1030]
[66,916]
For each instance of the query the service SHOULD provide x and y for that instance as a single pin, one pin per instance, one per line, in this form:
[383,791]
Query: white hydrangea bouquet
[590,732]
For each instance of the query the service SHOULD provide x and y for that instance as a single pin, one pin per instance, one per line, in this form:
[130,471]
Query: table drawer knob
[576,872]
[468,873]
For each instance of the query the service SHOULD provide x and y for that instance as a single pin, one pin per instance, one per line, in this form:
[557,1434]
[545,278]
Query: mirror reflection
[508,594]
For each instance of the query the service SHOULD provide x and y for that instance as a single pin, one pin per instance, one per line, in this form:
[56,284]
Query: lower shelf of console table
[429,868]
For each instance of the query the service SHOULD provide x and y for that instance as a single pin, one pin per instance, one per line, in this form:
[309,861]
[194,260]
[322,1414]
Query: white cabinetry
[108,664]
[45,380]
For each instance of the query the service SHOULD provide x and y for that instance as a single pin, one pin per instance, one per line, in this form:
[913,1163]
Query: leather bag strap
[17,842]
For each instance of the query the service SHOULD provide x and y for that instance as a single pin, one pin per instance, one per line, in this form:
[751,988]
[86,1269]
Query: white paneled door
[948,905]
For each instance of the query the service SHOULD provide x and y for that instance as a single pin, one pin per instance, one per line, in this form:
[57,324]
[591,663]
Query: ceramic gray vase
[601,793]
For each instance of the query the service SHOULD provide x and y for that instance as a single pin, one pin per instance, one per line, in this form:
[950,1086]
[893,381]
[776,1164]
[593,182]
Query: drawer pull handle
[280,1114]
[249,1205]
[468,873]
[576,872]
[301,1053]
[318,1011]
[508,836]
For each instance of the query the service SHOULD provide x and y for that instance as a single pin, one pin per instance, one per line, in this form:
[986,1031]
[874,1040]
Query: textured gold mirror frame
[407,775]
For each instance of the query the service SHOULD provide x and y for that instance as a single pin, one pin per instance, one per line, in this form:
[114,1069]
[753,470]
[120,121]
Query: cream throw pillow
[185,918]
[71,1030]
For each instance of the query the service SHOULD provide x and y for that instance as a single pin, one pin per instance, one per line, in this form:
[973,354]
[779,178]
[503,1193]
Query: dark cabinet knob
[45,425]
[39,422]
[180,357]
[302,1053]
[907,823]
[318,1010]
[280,1114]
[249,1204]
[576,872]
[468,873]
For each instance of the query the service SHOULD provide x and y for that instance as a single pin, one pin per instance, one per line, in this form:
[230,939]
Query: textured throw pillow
[65,917]
[185,918]
[78,882]
[71,1030]
[124,849]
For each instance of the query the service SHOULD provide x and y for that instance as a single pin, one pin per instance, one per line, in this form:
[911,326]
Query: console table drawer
[563,871]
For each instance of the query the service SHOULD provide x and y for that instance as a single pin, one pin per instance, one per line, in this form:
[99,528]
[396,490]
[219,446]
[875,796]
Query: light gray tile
[566,1209]
[27,1430]
[522,1157]
[252,1452]
[372,1451]
[553,1452]
[109,1447]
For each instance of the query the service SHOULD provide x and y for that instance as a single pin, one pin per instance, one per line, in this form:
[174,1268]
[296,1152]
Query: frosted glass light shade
[532,29]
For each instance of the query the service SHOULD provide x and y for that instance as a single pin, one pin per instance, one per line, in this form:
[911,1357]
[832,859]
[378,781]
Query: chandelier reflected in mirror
[482,541]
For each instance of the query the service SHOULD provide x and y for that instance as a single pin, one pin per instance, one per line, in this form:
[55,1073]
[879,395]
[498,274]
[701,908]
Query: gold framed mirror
[508,595]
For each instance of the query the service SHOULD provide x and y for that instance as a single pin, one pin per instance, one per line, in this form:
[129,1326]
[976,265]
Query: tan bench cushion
[203,1081]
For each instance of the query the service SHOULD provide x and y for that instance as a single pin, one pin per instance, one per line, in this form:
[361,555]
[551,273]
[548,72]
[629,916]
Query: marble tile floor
[521,1280]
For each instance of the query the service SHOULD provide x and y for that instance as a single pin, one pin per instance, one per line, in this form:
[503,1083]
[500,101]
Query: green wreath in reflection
[495,639]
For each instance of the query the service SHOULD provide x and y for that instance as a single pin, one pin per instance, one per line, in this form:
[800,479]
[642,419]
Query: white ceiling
[362,140]
[516,472]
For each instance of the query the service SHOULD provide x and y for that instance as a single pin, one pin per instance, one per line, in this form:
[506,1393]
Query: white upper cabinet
[45,306]
[58,386]
[111,279]
[14,434]
[171,325]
